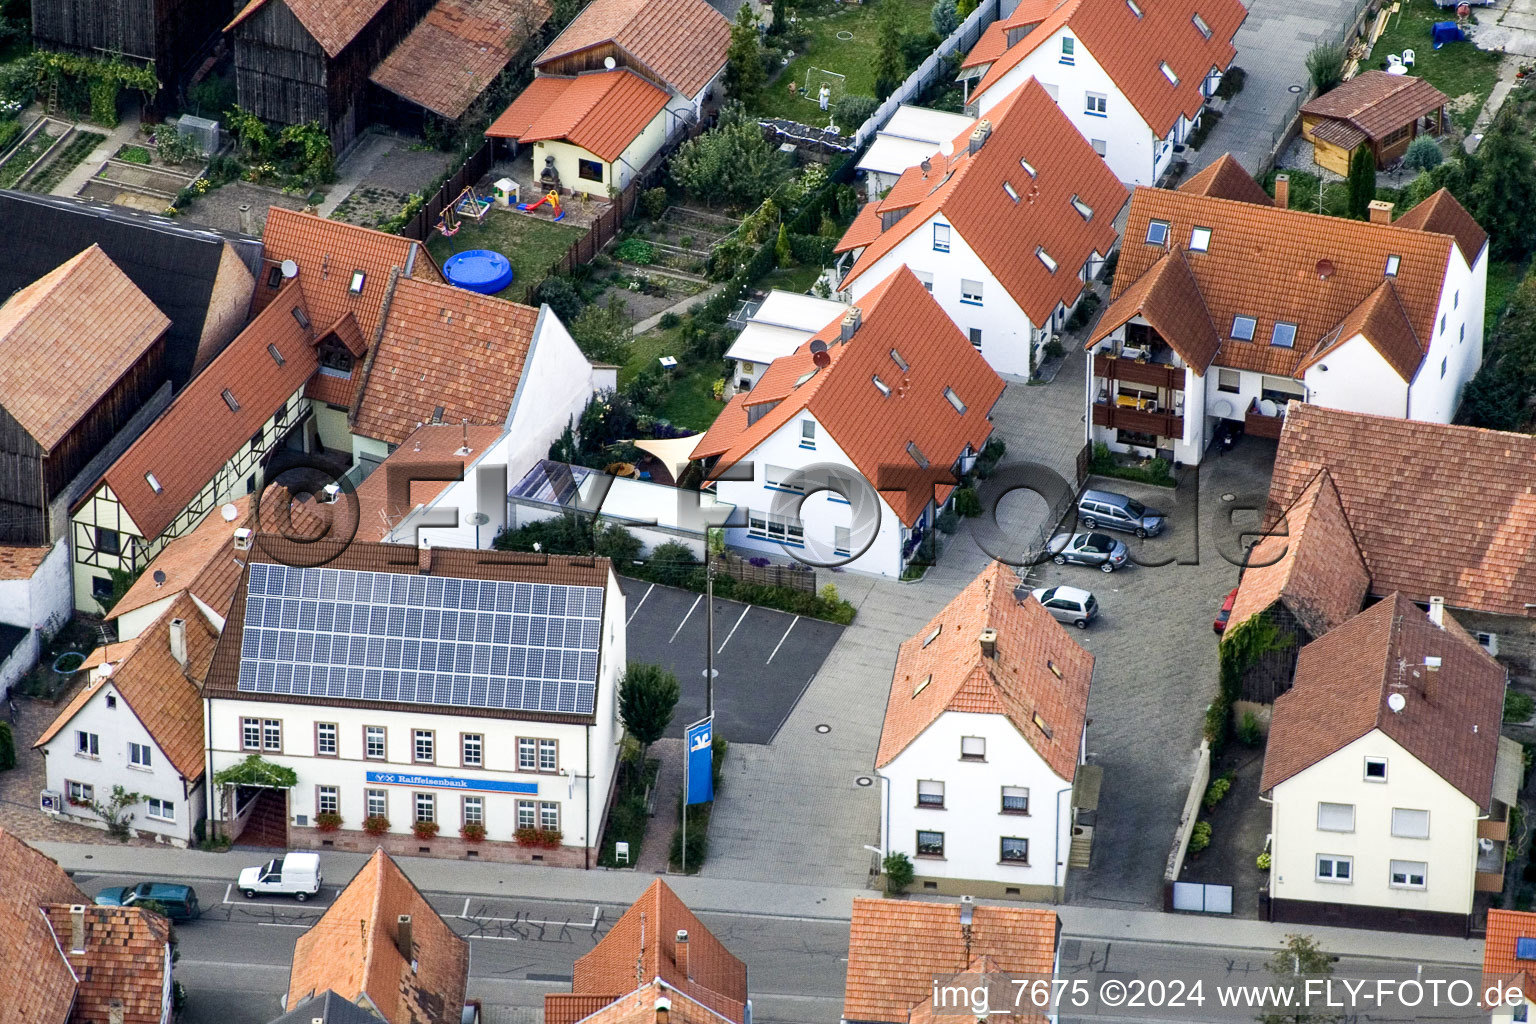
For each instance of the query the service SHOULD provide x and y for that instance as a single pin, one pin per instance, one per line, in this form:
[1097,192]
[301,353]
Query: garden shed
[1375,108]
[172,33]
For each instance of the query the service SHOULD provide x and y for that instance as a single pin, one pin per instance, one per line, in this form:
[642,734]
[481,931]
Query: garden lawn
[791,279]
[1503,278]
[1460,70]
[531,244]
[690,400]
[853,58]
[645,349]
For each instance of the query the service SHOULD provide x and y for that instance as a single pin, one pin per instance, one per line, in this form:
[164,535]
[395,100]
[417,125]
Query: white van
[295,874]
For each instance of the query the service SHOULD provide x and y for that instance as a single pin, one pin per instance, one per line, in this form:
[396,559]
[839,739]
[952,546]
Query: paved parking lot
[1155,668]
[765,658]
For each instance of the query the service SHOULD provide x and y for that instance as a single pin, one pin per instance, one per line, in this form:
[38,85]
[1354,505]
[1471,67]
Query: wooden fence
[793,577]
[473,169]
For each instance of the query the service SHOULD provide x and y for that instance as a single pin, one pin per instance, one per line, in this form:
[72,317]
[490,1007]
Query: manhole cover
[1295,88]
[1229,496]
[864,780]
[823,728]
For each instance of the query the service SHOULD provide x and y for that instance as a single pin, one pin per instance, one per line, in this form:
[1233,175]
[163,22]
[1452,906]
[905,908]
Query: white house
[138,723]
[1509,962]
[912,135]
[1211,325]
[1132,76]
[34,604]
[1004,232]
[782,323]
[984,733]
[409,688]
[846,449]
[1390,787]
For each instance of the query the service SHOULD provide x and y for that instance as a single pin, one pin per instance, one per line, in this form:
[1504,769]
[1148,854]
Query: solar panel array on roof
[1525,949]
[379,636]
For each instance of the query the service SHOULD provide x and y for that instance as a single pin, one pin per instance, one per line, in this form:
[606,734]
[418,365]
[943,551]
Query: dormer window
[1046,258]
[1082,208]
[1157,232]
[1200,24]
[1168,73]
[1029,168]
[154,484]
[881,386]
[1199,239]
[356,286]
[1011,191]
[1393,262]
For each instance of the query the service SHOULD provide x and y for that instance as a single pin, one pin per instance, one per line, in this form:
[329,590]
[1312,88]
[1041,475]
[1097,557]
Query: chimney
[967,910]
[77,928]
[989,641]
[1283,191]
[1437,611]
[424,556]
[245,219]
[851,321]
[980,135]
[663,1010]
[242,541]
[179,641]
[680,953]
[1381,211]
[115,1012]
[403,936]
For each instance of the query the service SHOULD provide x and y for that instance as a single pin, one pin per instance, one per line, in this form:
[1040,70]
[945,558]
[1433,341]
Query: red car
[1220,625]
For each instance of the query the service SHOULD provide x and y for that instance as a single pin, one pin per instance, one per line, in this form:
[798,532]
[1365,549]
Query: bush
[898,872]
[1326,66]
[811,250]
[1216,724]
[1215,791]
[948,522]
[635,250]
[7,747]
[967,502]
[1423,154]
[1263,861]
[1086,307]
[1518,707]
[671,563]
[1199,836]
[990,456]
[655,202]
[1249,732]
[561,297]
[669,320]
[1231,83]
[698,839]
[852,110]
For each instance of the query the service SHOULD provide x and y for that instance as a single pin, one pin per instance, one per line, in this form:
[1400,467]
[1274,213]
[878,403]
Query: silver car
[1068,604]
[1098,549]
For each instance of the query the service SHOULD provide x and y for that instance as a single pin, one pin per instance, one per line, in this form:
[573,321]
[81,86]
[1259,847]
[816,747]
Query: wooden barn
[309,60]
[172,33]
[83,351]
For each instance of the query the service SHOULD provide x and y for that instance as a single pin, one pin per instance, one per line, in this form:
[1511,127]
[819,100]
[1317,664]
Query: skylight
[1242,327]
[1134,6]
[896,358]
[1040,722]
[1157,232]
[1393,262]
[1168,73]
[277,357]
[804,377]
[154,484]
[1029,168]
[298,314]
[1012,192]
[1200,24]
[881,386]
[922,684]
[1082,208]
[1046,258]
[1284,335]
[1199,239]
[229,400]
[917,454]
[934,635]
[358,277]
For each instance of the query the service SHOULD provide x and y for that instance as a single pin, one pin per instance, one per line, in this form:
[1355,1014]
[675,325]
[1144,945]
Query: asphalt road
[234,960]
[765,658]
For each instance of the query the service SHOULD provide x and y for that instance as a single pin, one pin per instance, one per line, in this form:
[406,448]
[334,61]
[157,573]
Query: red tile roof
[354,951]
[681,42]
[1437,510]
[38,985]
[1500,965]
[642,946]
[1376,104]
[602,112]
[874,429]
[1450,721]
[332,23]
[1381,320]
[896,948]
[19,562]
[446,348]
[125,963]
[389,494]
[328,252]
[455,52]
[1443,214]
[993,41]
[67,339]
[967,190]
[1311,564]
[188,445]
[1225,178]
[1167,297]
[1282,265]
[1038,672]
[163,695]
[1132,49]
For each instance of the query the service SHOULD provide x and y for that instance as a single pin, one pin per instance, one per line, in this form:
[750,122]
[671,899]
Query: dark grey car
[1114,511]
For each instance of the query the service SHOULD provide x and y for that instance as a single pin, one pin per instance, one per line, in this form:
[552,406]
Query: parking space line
[781,641]
[637,606]
[227,890]
[680,625]
[280,924]
[733,629]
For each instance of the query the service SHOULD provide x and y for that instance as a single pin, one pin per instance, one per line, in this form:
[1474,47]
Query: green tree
[1362,182]
[744,72]
[1494,399]
[7,747]
[1326,66]
[733,163]
[603,332]
[648,696]
[561,297]
[890,63]
[780,18]
[1423,154]
[115,812]
[898,872]
[945,17]
[1504,191]
[852,110]
[1298,959]
[965,8]
[781,253]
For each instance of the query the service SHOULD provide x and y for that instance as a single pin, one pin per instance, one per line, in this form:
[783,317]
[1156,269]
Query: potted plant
[327,821]
[424,829]
[77,802]
[472,832]
[543,838]
[376,824]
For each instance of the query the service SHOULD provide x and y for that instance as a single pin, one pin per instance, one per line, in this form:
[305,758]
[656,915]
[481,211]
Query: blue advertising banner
[701,745]
[450,782]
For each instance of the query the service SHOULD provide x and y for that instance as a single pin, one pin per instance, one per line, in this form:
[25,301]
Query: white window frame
[1334,860]
[327,799]
[420,801]
[1328,813]
[527,814]
[1160,228]
[87,744]
[1369,761]
[925,277]
[324,731]
[160,810]
[1253,327]
[139,756]
[474,810]
[423,738]
[370,733]
[1096,104]
[472,742]
[973,748]
[774,476]
[549,815]
[379,809]
[940,237]
[1404,830]
[1068,50]
[82,791]
[1407,871]
[551,762]
[1394,262]
[970,292]
[1199,239]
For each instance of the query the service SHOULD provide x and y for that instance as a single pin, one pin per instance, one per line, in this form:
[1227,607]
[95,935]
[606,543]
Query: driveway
[1155,668]
[765,658]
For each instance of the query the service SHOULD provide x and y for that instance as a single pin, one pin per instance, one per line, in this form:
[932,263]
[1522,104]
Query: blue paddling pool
[479,270]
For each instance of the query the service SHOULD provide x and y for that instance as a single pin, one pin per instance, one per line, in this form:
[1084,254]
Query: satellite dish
[290,268]
[106,670]
[821,359]
[230,513]
[946,148]
[159,577]
[479,519]
[818,346]
[1396,702]
[610,63]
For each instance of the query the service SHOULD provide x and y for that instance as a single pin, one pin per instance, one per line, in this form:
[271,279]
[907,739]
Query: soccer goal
[816,78]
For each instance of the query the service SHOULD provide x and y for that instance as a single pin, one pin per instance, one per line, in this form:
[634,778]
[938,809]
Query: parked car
[175,901]
[1068,604]
[1118,512]
[292,874]
[1098,549]
[1220,625]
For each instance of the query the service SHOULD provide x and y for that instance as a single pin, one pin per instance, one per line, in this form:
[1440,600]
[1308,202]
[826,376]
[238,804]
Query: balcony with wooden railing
[1142,421]
[1134,371]
[1259,425]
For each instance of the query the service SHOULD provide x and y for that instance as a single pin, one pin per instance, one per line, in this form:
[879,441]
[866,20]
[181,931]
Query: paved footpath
[771,899]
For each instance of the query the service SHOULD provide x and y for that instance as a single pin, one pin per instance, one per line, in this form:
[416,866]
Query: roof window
[1134,6]
[1168,73]
[1082,208]
[1200,24]
[1157,232]
[1046,258]
[917,455]
[1199,239]
[229,400]
[954,400]
[1040,724]
[1243,328]
[298,314]
[922,684]
[1393,262]
[881,386]
[1012,192]
[934,635]
[896,358]
[804,377]
[154,484]
[1055,668]
[1029,168]
[1283,336]
[277,357]
[356,287]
